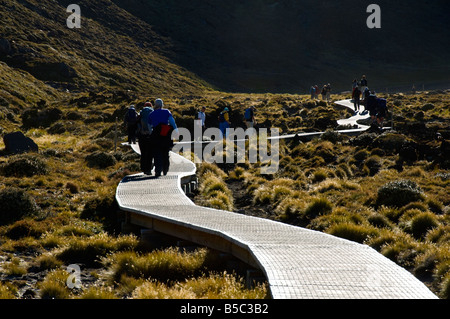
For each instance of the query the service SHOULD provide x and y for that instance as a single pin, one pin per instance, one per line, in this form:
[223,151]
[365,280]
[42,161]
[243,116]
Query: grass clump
[214,189]
[54,285]
[16,204]
[89,250]
[214,286]
[100,160]
[422,223]
[350,231]
[24,166]
[169,264]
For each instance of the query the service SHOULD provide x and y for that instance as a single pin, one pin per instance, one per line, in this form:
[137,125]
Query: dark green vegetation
[65,89]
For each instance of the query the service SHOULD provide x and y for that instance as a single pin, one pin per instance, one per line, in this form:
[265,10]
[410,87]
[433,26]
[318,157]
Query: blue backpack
[144,125]
[248,114]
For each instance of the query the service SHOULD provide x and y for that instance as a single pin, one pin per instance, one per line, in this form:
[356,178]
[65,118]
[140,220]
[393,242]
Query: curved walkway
[297,262]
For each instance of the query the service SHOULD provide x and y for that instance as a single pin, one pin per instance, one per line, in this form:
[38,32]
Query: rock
[5,47]
[18,143]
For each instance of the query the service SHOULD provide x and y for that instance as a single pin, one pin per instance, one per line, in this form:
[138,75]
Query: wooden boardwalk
[298,263]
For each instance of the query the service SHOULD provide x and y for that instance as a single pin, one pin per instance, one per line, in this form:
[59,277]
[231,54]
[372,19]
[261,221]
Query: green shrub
[399,193]
[15,205]
[100,160]
[24,166]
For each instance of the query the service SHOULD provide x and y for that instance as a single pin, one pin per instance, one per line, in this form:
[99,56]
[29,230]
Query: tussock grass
[89,250]
[169,264]
[214,286]
[54,285]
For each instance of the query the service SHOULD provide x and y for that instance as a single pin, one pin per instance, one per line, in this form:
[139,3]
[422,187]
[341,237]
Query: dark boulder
[18,143]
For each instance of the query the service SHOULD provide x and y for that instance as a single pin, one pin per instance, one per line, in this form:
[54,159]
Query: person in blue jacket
[163,124]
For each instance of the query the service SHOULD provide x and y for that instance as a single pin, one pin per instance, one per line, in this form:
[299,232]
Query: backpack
[221,117]
[382,104]
[131,116]
[248,114]
[143,125]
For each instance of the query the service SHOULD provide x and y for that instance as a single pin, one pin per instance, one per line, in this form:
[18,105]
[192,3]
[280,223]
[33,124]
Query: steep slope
[285,46]
[112,49]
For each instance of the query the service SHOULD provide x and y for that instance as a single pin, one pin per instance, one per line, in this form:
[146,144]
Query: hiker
[131,124]
[324,92]
[328,92]
[363,85]
[372,106]
[316,88]
[163,125]
[200,121]
[354,85]
[356,98]
[249,116]
[381,111]
[224,121]
[312,91]
[144,132]
[366,94]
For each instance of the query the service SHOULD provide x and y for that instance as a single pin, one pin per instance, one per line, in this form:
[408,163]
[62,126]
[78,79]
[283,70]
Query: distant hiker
[354,85]
[365,94]
[364,84]
[163,125]
[381,111]
[372,106]
[356,98]
[224,121]
[131,124]
[316,87]
[324,92]
[312,91]
[249,116]
[200,121]
[144,139]
[328,92]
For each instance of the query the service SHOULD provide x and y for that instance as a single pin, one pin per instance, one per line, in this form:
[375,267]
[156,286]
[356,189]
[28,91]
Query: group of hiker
[152,128]
[224,119]
[315,91]
[361,95]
